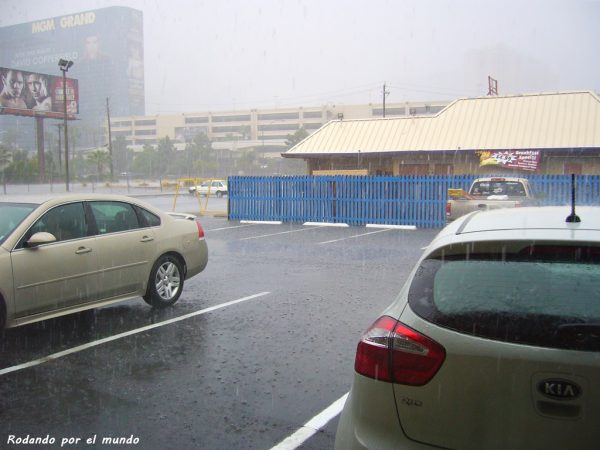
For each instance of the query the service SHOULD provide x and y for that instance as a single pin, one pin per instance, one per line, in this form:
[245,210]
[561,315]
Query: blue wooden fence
[360,200]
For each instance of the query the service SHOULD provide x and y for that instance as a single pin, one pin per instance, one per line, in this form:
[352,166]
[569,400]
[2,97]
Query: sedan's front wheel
[166,282]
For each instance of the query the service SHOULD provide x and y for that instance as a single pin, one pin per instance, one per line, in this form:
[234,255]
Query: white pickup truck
[489,193]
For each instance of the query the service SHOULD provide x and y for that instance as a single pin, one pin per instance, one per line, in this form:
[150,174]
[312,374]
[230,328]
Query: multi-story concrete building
[266,129]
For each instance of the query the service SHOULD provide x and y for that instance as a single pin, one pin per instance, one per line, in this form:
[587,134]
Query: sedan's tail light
[390,351]
[200,230]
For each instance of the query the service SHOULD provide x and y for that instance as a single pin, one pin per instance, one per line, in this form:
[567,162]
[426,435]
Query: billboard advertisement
[25,93]
[511,159]
[106,46]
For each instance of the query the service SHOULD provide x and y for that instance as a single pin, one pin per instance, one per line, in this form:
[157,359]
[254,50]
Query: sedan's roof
[58,198]
[38,199]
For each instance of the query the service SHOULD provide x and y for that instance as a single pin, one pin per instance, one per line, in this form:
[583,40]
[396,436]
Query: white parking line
[275,234]
[355,236]
[230,228]
[80,348]
[311,427]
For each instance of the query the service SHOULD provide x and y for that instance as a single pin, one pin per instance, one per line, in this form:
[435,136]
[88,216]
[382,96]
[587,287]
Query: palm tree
[101,158]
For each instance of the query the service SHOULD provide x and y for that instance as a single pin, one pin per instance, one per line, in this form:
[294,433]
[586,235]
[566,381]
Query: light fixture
[64,64]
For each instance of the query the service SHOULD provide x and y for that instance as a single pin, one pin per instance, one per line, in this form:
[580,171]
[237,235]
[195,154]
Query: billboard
[511,159]
[25,93]
[106,46]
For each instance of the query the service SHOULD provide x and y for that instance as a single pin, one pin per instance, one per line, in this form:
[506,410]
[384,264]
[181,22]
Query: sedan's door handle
[82,250]
[147,239]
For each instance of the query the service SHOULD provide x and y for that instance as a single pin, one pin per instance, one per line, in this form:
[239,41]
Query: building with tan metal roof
[543,133]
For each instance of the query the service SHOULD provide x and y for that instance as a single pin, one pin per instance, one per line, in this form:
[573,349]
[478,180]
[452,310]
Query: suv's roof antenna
[573,218]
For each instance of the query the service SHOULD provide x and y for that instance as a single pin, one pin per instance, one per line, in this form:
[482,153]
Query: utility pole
[112,169]
[385,94]
[39,135]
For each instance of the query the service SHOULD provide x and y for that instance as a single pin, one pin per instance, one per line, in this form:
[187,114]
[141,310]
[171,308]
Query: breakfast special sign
[511,159]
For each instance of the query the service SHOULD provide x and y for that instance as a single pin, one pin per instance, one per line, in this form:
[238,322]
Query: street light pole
[64,67]
[110,149]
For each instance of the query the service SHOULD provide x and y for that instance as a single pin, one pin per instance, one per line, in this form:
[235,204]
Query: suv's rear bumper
[369,419]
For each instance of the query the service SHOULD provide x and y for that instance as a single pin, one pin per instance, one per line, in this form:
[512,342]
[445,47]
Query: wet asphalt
[244,376]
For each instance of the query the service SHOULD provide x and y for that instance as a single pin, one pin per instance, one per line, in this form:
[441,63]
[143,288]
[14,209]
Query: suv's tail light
[448,208]
[390,351]
[200,230]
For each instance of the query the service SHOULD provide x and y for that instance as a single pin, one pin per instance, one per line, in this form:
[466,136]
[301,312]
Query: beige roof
[533,121]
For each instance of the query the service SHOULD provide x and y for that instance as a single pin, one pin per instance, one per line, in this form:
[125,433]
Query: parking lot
[253,354]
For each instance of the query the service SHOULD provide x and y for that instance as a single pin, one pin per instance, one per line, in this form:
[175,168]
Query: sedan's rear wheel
[166,282]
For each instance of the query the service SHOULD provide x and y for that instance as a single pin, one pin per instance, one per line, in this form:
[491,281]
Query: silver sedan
[70,253]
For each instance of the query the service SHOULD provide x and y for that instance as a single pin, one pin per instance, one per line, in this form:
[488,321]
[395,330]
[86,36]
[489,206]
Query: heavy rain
[299,224]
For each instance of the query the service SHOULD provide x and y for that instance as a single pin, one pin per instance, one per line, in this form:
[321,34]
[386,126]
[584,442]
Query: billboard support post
[39,134]
[64,66]
[110,149]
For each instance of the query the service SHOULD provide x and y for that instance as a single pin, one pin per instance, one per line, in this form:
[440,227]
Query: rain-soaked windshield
[234,190]
[11,215]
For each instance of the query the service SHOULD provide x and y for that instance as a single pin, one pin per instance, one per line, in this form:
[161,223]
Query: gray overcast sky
[237,54]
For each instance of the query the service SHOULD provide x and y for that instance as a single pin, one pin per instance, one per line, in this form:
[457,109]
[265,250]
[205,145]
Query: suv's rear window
[498,187]
[540,295]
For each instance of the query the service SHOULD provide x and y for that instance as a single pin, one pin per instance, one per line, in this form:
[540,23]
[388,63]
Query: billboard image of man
[38,89]
[12,90]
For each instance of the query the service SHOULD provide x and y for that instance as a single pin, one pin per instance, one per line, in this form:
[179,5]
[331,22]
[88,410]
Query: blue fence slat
[359,200]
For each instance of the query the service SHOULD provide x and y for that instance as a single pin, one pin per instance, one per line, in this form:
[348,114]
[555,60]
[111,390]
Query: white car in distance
[210,187]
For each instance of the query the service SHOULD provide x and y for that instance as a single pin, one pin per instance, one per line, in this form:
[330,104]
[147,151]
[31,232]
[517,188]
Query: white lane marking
[275,234]
[230,228]
[355,236]
[80,348]
[311,427]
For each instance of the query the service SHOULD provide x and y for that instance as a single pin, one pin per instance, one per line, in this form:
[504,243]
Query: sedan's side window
[151,219]
[64,222]
[112,217]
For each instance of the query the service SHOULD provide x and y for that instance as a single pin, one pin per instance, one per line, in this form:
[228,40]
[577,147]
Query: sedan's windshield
[11,215]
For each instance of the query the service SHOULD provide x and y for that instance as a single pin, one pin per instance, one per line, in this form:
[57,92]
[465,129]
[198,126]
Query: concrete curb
[325,224]
[392,227]
[263,222]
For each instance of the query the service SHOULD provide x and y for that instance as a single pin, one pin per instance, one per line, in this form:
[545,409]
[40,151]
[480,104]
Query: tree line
[197,160]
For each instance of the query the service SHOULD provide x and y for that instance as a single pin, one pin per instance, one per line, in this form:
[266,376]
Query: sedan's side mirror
[39,238]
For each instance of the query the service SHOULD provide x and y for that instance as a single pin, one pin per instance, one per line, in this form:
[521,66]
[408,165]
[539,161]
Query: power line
[290,100]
